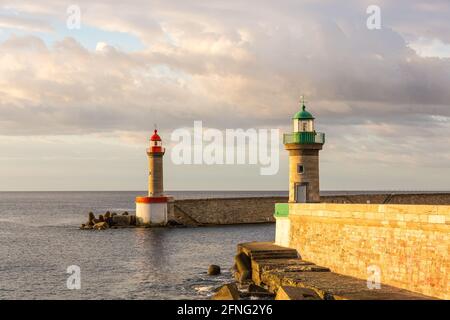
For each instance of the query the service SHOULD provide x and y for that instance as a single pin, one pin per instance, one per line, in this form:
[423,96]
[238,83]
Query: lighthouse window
[305,126]
[300,168]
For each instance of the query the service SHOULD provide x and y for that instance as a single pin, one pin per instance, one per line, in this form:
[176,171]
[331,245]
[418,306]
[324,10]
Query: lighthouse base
[151,211]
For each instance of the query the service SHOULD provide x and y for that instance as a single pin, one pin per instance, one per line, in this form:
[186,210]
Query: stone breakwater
[108,220]
[223,211]
[220,211]
[269,271]
[115,221]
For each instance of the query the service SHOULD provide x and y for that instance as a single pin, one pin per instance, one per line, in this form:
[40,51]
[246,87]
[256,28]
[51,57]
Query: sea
[42,249]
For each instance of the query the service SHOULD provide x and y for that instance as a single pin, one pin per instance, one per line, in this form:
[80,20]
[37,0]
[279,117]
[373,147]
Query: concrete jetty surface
[282,271]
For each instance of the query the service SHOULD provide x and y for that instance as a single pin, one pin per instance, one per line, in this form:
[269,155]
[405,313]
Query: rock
[243,266]
[101,226]
[82,226]
[296,293]
[113,214]
[132,220]
[125,213]
[101,218]
[213,270]
[107,215]
[227,292]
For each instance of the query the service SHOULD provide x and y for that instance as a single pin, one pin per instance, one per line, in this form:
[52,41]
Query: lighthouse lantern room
[303,121]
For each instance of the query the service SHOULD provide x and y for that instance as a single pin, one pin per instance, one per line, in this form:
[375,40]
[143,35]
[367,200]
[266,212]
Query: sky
[78,105]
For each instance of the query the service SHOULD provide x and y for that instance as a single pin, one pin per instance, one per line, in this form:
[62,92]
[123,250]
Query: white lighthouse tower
[152,209]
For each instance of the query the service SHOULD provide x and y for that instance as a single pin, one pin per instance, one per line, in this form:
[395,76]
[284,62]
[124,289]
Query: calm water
[39,239]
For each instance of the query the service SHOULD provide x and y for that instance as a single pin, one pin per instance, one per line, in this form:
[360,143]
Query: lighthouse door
[300,193]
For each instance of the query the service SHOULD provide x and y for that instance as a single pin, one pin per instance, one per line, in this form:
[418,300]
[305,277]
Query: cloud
[25,24]
[221,59]
[431,48]
[238,64]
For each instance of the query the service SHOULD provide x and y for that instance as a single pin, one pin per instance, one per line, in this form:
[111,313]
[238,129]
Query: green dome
[303,114]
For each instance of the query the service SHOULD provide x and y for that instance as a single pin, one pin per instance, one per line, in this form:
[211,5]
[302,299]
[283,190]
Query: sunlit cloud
[230,64]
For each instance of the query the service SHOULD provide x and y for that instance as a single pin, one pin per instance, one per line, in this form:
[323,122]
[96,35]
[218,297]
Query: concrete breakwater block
[255,291]
[231,291]
[227,292]
[266,250]
[243,267]
[296,293]
[124,220]
[262,267]
[101,226]
[109,220]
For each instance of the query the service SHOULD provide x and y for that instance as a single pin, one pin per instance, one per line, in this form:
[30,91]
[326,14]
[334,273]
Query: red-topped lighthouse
[152,210]
[155,166]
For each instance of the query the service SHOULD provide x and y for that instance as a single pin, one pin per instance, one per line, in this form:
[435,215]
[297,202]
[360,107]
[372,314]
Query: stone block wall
[394,198]
[261,209]
[408,243]
[224,210]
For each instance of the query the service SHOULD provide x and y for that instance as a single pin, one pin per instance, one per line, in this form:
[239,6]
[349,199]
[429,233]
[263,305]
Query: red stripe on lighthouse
[151,199]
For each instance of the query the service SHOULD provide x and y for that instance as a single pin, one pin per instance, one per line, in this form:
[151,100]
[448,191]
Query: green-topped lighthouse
[303,145]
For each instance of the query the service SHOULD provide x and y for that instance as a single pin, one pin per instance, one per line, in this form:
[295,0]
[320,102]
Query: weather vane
[302,97]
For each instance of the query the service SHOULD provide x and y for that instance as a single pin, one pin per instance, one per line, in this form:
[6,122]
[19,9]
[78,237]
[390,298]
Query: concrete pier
[282,271]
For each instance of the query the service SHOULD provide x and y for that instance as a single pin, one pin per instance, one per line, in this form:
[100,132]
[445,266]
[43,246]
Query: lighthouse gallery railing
[304,137]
